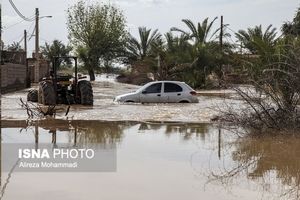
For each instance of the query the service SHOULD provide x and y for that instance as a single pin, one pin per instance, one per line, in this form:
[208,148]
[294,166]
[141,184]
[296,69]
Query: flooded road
[105,89]
[158,161]
[163,151]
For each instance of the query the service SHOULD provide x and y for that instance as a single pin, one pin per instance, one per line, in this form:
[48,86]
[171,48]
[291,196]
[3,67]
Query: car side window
[172,87]
[155,88]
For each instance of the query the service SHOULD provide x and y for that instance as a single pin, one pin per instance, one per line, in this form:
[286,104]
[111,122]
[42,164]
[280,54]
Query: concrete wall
[38,70]
[44,69]
[13,77]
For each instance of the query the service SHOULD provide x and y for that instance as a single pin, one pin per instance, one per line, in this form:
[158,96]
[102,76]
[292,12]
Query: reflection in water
[269,160]
[86,132]
[279,154]
[95,132]
[188,130]
[78,132]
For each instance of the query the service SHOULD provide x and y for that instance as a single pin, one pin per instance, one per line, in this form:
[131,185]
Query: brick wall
[17,57]
[13,77]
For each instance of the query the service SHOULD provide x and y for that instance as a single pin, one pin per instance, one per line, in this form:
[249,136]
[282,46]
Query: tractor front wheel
[46,93]
[32,95]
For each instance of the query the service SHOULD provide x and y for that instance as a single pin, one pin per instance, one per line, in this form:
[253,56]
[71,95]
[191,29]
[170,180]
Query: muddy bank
[105,89]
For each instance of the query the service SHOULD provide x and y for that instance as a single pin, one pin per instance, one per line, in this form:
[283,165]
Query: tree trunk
[92,74]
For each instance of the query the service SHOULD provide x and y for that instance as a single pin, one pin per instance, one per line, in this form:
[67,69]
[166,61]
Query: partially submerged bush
[273,103]
[34,110]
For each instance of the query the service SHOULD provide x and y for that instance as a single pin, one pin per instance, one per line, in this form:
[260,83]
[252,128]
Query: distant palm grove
[203,54]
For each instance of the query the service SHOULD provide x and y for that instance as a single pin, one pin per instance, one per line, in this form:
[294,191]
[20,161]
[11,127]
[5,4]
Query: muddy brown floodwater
[164,151]
[105,109]
[158,161]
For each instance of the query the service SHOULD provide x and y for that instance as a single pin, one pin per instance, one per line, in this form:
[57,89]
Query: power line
[7,27]
[45,40]
[12,25]
[21,36]
[19,13]
[16,38]
[21,40]
[32,34]
[232,30]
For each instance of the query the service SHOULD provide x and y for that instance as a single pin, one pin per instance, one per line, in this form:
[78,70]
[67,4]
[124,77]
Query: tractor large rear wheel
[47,94]
[86,92]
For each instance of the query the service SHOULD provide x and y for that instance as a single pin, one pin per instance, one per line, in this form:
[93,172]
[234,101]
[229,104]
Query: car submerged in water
[161,92]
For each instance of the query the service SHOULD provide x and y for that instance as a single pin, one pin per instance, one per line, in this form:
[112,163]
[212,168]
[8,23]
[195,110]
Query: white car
[161,92]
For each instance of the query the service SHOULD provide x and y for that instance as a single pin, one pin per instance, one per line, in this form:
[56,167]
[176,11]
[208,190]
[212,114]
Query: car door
[172,92]
[152,94]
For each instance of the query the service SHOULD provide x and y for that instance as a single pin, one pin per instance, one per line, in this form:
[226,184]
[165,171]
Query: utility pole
[221,48]
[28,70]
[0,94]
[0,37]
[37,45]
[1,34]
[37,48]
[25,42]
[221,33]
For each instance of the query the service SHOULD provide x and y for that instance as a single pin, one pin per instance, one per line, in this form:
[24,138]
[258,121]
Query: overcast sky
[160,14]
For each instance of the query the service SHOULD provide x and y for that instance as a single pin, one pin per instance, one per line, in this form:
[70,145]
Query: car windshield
[144,87]
[154,88]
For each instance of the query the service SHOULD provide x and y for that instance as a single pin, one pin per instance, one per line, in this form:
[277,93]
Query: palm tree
[256,40]
[263,44]
[15,46]
[176,43]
[140,48]
[56,49]
[288,28]
[293,27]
[200,32]
[174,53]
[205,51]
